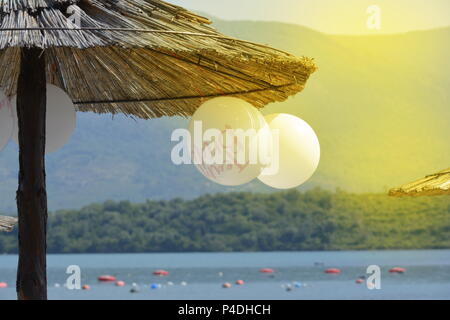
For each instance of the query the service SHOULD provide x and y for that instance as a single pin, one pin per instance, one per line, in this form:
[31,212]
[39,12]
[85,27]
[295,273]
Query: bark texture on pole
[31,194]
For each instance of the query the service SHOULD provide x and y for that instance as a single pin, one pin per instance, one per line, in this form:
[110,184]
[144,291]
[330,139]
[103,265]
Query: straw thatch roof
[7,223]
[435,184]
[145,58]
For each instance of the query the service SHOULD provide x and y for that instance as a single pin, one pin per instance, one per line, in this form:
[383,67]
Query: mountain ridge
[380,107]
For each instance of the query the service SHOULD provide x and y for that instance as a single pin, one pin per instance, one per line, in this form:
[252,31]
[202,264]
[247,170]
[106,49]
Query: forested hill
[379,104]
[315,220]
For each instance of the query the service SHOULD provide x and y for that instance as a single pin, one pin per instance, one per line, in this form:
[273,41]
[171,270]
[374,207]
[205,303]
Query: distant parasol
[7,223]
[431,185]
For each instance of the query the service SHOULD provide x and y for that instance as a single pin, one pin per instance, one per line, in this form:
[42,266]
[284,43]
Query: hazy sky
[331,16]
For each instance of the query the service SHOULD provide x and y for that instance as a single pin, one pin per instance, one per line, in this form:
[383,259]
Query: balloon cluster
[6,120]
[60,119]
[233,143]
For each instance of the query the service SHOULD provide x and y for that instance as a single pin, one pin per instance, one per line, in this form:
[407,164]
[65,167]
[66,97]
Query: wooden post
[31,194]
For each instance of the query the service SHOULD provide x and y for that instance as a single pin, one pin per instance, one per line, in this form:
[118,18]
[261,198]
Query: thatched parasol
[144,58]
[7,223]
[434,184]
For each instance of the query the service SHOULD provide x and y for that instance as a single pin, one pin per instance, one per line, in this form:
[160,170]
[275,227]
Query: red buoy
[333,271]
[3,285]
[86,287]
[120,283]
[397,270]
[266,270]
[106,278]
[161,273]
[359,281]
[239,282]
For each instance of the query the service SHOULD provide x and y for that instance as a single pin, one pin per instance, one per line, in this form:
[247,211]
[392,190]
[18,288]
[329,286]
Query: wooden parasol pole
[31,194]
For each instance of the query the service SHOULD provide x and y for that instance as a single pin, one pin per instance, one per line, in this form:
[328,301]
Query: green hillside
[379,104]
[314,220]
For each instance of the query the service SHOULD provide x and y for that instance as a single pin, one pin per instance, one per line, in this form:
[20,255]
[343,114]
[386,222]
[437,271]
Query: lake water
[427,275]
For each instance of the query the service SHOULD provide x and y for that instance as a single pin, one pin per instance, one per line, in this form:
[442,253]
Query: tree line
[285,221]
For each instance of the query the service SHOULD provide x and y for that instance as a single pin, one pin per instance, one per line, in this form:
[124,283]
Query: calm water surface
[427,275]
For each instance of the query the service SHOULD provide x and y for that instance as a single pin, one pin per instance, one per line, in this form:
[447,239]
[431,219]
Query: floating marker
[106,278]
[333,271]
[155,286]
[266,270]
[161,273]
[134,288]
[120,283]
[397,270]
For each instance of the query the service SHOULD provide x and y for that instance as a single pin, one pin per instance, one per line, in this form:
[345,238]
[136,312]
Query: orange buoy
[3,285]
[333,271]
[397,270]
[226,285]
[359,281]
[86,287]
[161,273]
[120,283]
[266,270]
[106,278]
[239,282]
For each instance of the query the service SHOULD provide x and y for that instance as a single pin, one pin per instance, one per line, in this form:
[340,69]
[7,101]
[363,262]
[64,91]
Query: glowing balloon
[225,139]
[6,120]
[60,119]
[298,152]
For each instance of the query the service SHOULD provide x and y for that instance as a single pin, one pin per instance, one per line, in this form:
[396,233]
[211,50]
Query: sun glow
[332,16]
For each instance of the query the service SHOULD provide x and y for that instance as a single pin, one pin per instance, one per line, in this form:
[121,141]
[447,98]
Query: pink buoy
[239,282]
[161,273]
[333,271]
[359,281]
[397,270]
[266,270]
[226,285]
[3,285]
[106,278]
[86,287]
[120,283]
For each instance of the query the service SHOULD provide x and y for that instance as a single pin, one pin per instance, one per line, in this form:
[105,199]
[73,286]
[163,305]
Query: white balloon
[298,152]
[6,120]
[60,119]
[210,149]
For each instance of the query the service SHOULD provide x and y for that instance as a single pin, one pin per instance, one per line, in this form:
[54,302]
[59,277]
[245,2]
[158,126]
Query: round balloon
[295,152]
[60,119]
[6,120]
[226,134]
